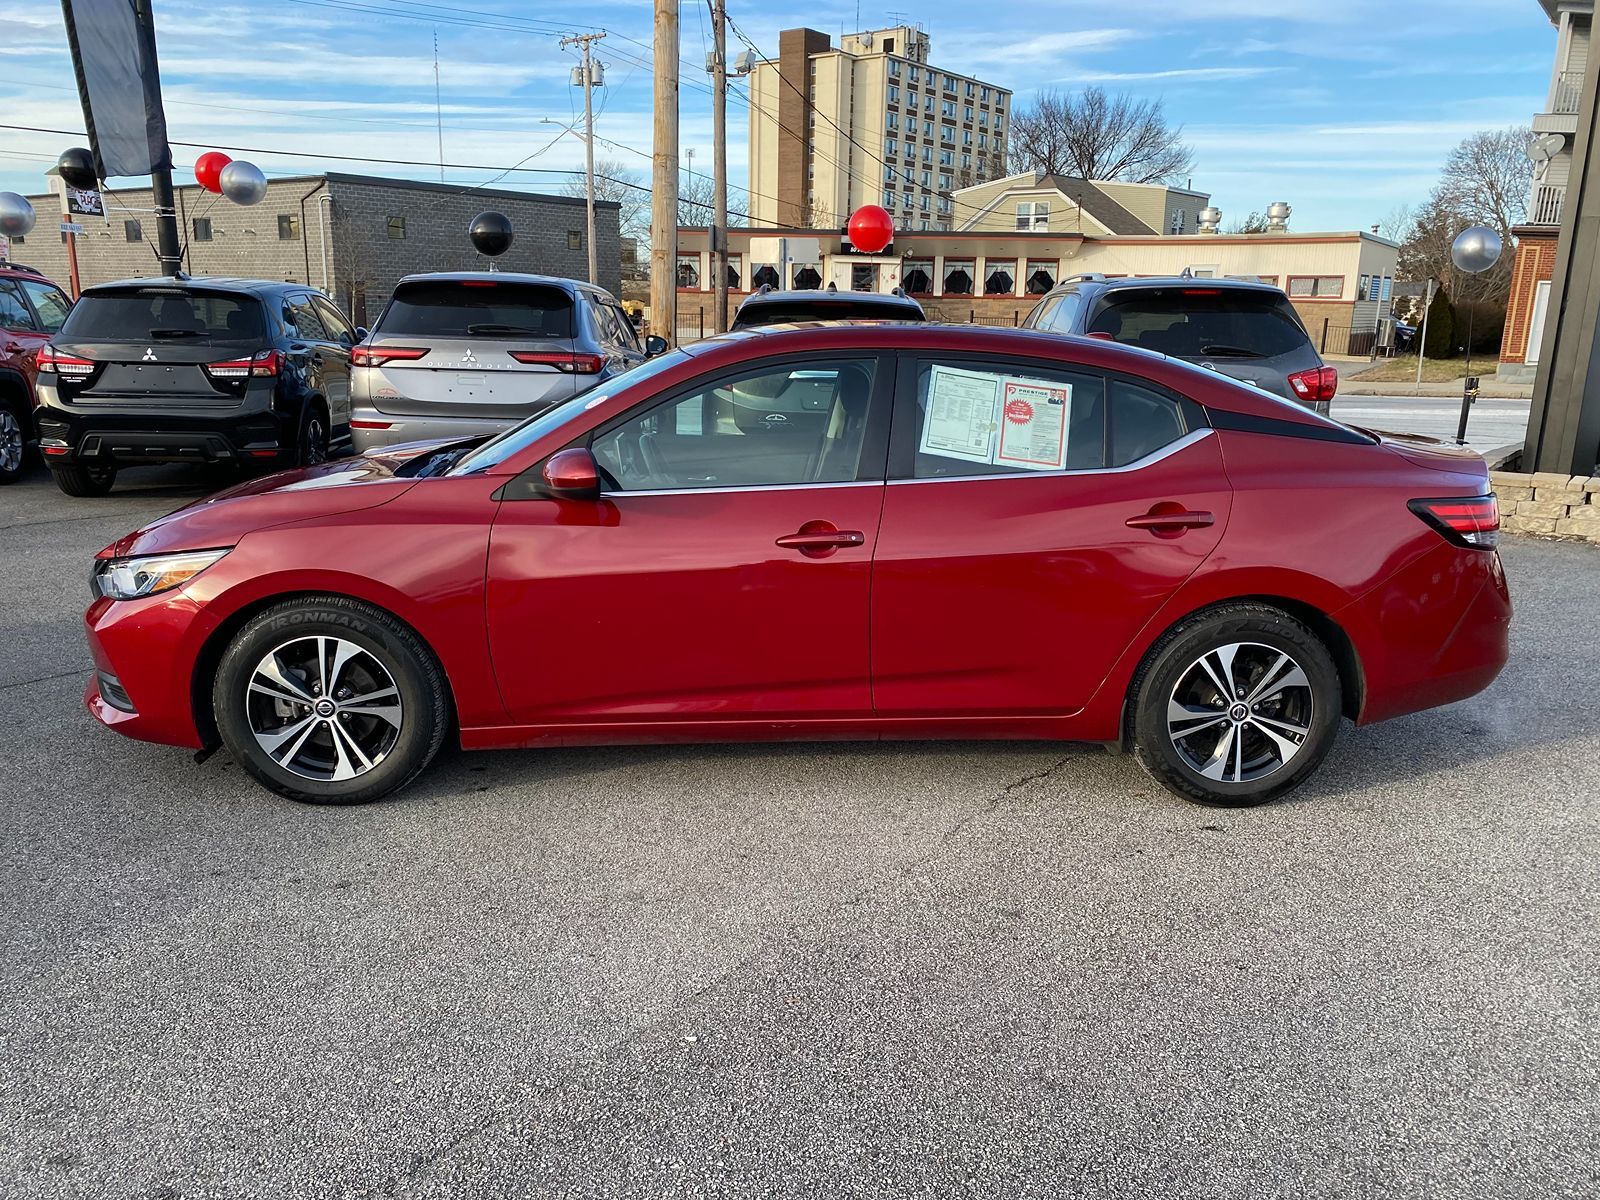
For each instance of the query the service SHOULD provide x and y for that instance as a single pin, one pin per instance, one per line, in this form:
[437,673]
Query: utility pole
[719,163]
[438,106]
[585,40]
[168,249]
[664,176]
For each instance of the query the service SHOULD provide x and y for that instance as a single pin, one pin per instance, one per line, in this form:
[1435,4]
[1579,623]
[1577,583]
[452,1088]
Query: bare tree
[1092,135]
[1485,181]
[1396,226]
[616,181]
[1253,223]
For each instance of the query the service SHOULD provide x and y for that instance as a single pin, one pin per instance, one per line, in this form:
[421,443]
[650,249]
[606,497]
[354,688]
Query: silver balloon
[243,183]
[1475,249]
[16,215]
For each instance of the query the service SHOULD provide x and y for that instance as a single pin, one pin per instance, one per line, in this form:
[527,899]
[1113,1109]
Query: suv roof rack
[1083,277]
[16,266]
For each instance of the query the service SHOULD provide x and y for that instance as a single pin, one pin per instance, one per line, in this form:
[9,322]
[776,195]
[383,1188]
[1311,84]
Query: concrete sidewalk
[1489,388]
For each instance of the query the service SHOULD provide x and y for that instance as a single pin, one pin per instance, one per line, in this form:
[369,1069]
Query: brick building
[354,236]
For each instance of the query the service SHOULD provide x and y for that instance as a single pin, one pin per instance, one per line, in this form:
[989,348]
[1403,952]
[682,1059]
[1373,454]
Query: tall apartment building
[1554,130]
[868,122]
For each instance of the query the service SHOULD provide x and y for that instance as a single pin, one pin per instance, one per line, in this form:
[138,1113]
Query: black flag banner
[114,56]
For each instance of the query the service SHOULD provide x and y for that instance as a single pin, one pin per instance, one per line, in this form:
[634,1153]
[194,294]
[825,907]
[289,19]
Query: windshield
[1204,323]
[465,308]
[138,314]
[519,437]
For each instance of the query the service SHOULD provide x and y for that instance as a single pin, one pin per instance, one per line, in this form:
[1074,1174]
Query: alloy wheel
[1240,711]
[324,708]
[10,442]
[316,442]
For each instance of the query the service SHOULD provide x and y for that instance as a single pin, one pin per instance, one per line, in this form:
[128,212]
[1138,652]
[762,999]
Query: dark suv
[31,310]
[206,370]
[1248,331]
[766,306]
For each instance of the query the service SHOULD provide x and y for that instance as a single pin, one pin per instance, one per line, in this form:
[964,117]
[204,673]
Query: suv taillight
[375,356]
[572,364]
[1315,386]
[263,364]
[1472,521]
[51,359]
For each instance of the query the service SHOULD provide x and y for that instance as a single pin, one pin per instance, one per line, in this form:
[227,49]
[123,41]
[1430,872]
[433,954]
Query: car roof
[560,281]
[1148,282]
[227,283]
[794,295]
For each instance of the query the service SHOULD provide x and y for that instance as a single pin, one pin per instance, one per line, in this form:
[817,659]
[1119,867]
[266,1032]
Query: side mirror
[571,474]
[361,333]
[655,344]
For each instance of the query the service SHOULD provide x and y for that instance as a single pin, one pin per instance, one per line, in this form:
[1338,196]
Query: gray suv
[1247,331]
[468,353]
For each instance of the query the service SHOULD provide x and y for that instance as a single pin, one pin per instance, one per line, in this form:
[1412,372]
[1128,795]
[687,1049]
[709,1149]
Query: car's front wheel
[330,701]
[1236,706]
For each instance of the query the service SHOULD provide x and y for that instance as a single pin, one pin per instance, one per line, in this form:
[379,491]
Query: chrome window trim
[1191,438]
[747,487]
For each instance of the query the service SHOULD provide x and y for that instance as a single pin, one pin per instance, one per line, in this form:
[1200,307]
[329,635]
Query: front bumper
[151,648]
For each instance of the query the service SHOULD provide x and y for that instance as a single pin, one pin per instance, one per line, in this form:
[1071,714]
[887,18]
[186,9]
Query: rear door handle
[1173,518]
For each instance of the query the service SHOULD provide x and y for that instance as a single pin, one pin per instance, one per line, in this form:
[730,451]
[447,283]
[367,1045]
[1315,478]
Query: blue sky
[1345,109]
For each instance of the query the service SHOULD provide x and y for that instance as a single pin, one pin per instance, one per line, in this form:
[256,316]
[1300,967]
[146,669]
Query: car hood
[222,519]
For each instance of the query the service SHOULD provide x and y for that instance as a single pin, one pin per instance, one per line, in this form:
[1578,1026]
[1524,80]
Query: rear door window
[302,315]
[1204,323]
[139,314]
[478,308]
[49,303]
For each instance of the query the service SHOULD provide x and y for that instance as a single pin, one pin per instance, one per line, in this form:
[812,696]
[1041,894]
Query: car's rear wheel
[330,701]
[1235,706]
[13,441]
[313,443]
[84,479]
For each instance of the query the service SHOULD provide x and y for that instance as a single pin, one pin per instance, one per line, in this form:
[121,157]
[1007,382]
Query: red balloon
[871,228]
[208,170]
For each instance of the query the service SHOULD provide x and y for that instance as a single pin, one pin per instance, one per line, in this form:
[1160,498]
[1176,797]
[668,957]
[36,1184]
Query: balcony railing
[1564,95]
[1547,201]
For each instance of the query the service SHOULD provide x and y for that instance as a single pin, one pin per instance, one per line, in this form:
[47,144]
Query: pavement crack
[5,687]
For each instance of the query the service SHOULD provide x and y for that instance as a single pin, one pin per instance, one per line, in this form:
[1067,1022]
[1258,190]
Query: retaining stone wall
[1548,504]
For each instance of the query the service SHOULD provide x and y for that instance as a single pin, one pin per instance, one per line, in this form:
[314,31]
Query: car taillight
[376,356]
[51,359]
[1464,520]
[264,364]
[1315,386]
[572,364]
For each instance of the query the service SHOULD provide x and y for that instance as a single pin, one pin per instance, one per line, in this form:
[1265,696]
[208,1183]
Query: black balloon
[76,167]
[490,233]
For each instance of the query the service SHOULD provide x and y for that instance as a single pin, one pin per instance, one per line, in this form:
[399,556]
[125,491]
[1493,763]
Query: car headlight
[130,578]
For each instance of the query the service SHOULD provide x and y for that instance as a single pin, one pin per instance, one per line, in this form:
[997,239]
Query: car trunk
[476,337]
[154,345]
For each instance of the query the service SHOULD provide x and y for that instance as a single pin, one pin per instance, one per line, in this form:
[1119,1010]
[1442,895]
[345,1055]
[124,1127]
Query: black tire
[83,479]
[13,442]
[383,646]
[1180,752]
[312,442]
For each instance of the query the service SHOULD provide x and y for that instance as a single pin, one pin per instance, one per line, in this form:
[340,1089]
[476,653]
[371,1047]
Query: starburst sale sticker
[1033,425]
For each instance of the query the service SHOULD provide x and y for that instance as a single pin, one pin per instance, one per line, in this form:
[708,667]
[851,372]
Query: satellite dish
[1545,147]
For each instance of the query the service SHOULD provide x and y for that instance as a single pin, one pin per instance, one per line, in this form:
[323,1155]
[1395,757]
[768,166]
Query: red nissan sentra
[824,532]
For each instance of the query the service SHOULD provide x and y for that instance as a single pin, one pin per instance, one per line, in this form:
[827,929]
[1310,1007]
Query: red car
[824,532]
[31,310]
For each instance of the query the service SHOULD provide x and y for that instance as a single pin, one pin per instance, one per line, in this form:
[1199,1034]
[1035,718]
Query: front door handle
[1171,517]
[817,539]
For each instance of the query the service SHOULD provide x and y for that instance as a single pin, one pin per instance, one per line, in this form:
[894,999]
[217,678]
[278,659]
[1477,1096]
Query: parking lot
[782,970]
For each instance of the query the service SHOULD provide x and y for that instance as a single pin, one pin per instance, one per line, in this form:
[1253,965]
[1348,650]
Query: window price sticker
[985,418]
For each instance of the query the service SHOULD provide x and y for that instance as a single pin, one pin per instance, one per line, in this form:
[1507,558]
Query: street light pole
[719,163]
[585,40]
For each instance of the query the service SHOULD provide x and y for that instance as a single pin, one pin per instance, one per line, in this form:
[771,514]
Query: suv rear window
[477,308]
[1203,323]
[138,314]
[848,309]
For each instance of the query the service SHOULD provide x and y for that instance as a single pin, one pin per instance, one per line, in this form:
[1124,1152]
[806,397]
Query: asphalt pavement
[1491,424]
[888,969]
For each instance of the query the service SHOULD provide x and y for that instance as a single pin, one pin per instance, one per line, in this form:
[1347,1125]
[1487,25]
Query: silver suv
[467,353]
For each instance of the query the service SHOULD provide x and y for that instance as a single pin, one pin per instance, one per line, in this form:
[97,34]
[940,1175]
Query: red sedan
[824,532]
